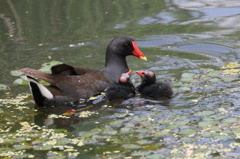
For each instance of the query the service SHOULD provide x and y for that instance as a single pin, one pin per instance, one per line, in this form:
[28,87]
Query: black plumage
[123,89]
[150,88]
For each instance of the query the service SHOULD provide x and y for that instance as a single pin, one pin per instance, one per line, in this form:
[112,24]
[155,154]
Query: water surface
[186,43]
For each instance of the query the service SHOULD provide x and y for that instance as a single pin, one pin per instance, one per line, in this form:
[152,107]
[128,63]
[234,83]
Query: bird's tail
[40,92]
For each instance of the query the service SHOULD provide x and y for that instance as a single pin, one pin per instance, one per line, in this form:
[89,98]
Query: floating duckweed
[230,65]
[212,127]
[86,114]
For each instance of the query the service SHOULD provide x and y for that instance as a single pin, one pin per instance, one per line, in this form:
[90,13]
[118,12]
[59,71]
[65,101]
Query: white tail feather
[44,91]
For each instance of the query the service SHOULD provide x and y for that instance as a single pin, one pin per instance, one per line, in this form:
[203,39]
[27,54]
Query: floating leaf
[22,147]
[205,113]
[46,67]
[186,89]
[231,120]
[122,115]
[163,133]
[182,122]
[107,131]
[140,119]
[223,137]
[117,123]
[86,134]
[206,123]
[126,130]
[156,156]
[44,147]
[16,73]
[142,142]
[140,153]
[18,81]
[62,141]
[172,126]
[187,131]
[209,133]
[131,146]
[215,80]
[187,77]
[187,139]
[214,73]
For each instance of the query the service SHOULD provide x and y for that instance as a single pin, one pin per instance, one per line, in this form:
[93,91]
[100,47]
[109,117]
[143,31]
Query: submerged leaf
[4,87]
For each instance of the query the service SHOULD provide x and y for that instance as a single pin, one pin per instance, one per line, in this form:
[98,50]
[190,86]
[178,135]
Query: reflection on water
[186,43]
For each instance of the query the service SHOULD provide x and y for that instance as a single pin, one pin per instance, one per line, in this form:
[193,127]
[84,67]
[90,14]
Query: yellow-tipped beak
[143,58]
[129,72]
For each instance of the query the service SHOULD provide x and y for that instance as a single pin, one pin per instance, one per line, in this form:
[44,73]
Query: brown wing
[75,86]
[82,86]
[66,69]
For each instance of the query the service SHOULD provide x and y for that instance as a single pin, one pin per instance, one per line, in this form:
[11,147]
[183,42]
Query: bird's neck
[115,66]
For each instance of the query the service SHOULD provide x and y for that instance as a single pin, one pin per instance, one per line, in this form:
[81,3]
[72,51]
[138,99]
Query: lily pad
[116,124]
[22,147]
[209,133]
[182,122]
[187,77]
[206,123]
[205,113]
[214,73]
[109,132]
[131,146]
[231,120]
[172,126]
[16,73]
[140,153]
[46,67]
[155,156]
[43,147]
[223,137]
[188,131]
[143,142]
[126,130]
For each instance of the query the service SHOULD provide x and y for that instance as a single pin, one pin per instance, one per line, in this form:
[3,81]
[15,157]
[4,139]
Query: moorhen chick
[123,89]
[69,83]
[150,88]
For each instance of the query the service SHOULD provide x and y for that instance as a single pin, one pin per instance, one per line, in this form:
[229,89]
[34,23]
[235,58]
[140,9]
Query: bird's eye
[126,45]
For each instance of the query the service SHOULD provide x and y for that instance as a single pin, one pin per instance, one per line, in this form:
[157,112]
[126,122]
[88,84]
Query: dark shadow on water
[65,117]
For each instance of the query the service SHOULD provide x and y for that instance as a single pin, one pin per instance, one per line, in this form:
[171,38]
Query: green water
[186,44]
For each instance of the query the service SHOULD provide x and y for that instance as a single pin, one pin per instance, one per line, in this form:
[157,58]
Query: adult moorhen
[149,87]
[123,89]
[69,83]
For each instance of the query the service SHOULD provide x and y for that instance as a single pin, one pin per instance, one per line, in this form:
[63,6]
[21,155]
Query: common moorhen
[123,89]
[69,83]
[150,88]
